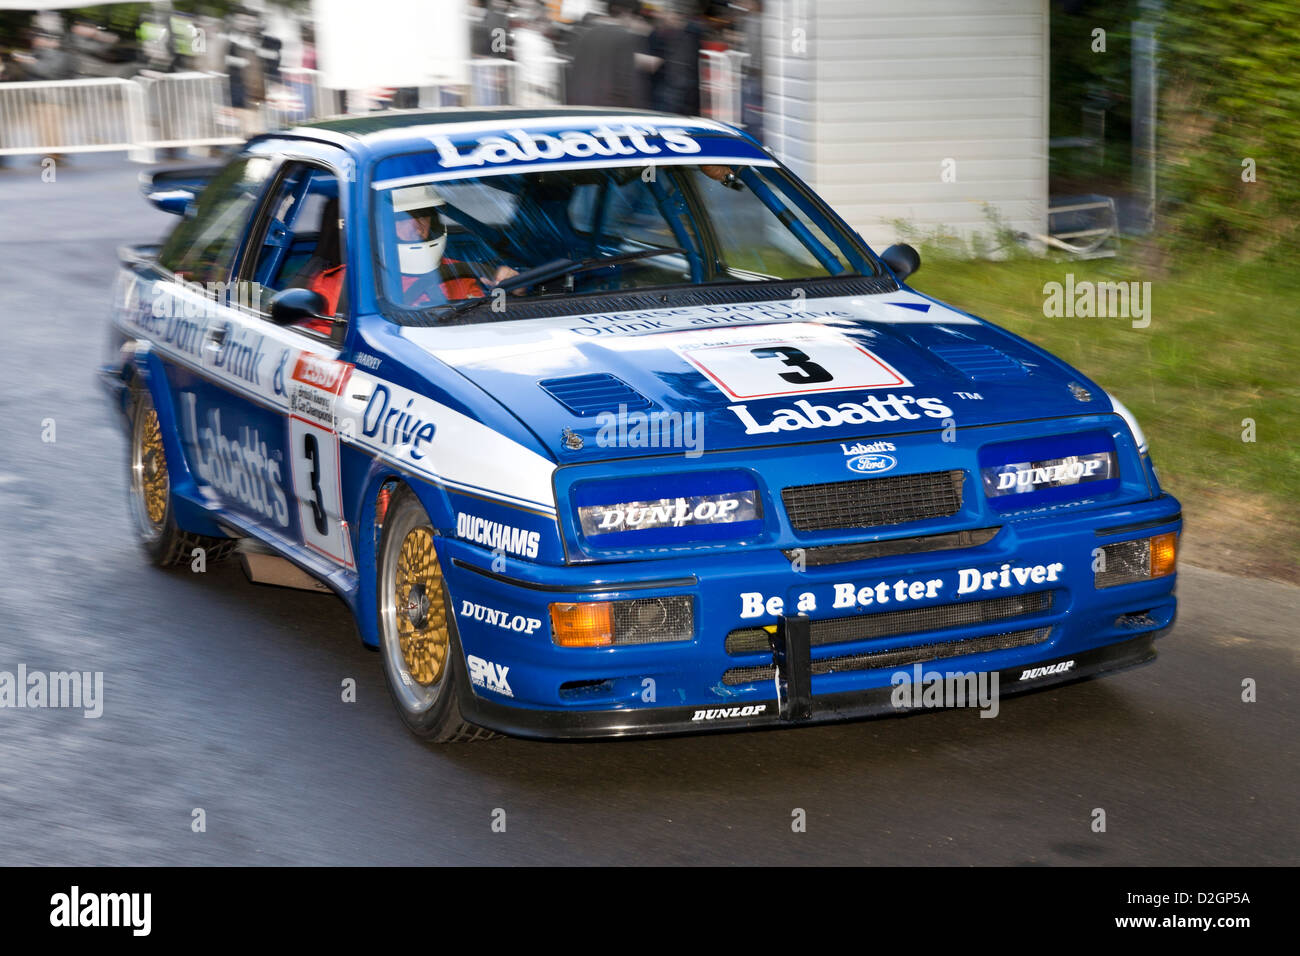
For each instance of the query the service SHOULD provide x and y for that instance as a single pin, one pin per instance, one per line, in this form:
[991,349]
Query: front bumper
[689,686]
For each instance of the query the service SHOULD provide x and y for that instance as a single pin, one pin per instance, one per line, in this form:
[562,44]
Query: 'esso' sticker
[323,373]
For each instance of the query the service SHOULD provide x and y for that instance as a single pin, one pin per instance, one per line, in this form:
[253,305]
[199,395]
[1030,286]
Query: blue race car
[605,425]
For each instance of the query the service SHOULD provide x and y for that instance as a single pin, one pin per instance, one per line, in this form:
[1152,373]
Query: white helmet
[423,256]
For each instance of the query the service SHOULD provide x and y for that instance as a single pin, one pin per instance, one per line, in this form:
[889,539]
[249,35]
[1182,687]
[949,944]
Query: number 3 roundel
[772,361]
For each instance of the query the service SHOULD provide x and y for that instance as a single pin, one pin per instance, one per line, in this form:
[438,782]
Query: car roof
[370,124]
[394,131]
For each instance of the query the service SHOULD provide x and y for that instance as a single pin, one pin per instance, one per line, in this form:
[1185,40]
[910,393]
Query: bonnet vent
[587,395]
[981,363]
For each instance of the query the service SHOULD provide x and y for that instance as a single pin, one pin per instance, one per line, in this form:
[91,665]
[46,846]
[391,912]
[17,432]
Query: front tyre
[151,499]
[417,643]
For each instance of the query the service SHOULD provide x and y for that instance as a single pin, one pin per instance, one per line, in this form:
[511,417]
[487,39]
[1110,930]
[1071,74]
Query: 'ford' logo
[871,464]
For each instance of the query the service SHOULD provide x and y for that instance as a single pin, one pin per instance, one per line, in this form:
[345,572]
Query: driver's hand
[503,273]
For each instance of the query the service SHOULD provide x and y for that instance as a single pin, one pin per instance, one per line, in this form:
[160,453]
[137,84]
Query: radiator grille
[862,627]
[900,657]
[871,502]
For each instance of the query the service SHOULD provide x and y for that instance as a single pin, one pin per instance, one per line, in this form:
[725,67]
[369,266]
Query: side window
[301,245]
[203,246]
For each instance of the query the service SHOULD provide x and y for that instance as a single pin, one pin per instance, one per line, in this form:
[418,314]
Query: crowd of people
[631,54]
[55,47]
[119,42]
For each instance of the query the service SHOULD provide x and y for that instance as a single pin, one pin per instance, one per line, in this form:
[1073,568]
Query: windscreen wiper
[557,268]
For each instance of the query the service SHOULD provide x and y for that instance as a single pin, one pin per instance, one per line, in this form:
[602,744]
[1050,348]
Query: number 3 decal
[768,361]
[810,373]
[317,481]
[312,451]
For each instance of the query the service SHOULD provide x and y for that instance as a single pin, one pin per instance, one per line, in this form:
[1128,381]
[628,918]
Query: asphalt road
[225,696]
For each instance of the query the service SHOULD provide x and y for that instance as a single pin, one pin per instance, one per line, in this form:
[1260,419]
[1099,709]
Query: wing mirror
[175,201]
[174,190]
[902,260]
[294,305]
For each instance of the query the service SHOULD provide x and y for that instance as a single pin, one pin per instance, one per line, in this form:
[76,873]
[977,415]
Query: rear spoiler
[173,189]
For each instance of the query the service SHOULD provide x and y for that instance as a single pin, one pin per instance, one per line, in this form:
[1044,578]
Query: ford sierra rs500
[605,424]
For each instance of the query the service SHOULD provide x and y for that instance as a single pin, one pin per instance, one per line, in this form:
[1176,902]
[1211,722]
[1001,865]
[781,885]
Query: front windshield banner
[471,149]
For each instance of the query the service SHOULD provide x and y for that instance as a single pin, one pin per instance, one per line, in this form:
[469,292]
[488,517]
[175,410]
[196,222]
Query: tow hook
[792,655]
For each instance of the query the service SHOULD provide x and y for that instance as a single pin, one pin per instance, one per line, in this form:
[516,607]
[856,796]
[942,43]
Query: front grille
[863,627]
[901,657]
[871,502]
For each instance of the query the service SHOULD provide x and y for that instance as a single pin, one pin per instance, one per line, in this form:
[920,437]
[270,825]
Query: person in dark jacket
[47,62]
[675,44]
[47,59]
[610,61]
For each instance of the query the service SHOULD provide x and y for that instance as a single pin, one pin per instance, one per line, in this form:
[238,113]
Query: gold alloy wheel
[420,613]
[152,468]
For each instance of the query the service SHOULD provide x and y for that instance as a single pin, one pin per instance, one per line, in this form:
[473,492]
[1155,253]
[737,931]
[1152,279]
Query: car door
[218,373]
[297,242]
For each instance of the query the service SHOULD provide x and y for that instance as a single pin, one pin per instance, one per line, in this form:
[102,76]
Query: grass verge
[1221,351]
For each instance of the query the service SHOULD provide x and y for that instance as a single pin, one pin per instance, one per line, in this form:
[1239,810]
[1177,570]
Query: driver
[421,244]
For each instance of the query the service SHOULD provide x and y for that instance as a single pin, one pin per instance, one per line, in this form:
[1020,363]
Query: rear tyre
[417,640]
[151,499]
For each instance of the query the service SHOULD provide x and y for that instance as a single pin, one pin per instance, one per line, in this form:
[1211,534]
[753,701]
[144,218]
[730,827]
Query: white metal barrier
[533,82]
[149,112]
[541,81]
[492,81]
[721,85]
[71,116]
[192,109]
[180,110]
[299,98]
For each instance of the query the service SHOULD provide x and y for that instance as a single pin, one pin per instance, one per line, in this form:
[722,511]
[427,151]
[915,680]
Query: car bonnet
[758,374]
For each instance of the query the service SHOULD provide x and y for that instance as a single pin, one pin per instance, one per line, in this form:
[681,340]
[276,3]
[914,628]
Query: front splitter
[757,714]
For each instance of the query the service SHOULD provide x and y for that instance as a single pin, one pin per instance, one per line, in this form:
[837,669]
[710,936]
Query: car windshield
[560,232]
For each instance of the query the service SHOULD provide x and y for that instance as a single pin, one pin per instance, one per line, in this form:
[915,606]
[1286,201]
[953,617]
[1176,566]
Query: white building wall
[866,99]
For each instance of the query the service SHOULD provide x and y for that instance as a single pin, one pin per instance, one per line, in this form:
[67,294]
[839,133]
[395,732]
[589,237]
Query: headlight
[1133,425]
[1138,560]
[639,621]
[669,509]
[1024,473]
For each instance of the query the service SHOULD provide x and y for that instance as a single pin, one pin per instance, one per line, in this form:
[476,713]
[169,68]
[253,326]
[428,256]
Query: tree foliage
[1230,93]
